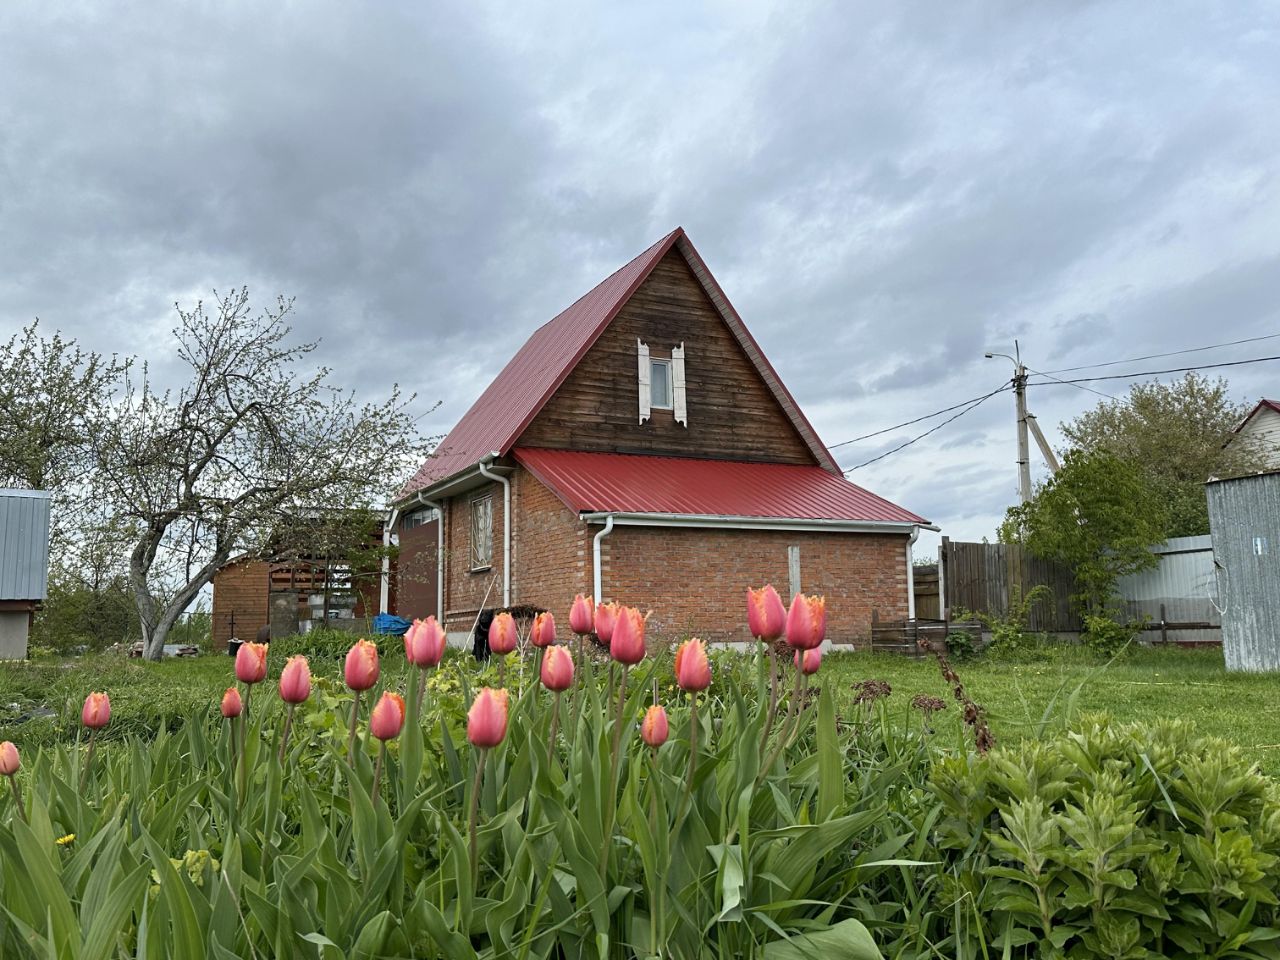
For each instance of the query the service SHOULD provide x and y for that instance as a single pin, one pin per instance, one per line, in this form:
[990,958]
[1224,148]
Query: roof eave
[458,482]
[714,521]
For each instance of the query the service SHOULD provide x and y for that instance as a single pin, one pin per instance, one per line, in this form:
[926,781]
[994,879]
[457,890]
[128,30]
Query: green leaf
[847,940]
[830,758]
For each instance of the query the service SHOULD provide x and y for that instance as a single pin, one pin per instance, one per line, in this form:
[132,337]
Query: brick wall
[464,589]
[239,589]
[695,580]
[552,550]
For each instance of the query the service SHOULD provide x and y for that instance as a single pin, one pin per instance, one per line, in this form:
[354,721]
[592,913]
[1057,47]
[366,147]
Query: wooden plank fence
[990,577]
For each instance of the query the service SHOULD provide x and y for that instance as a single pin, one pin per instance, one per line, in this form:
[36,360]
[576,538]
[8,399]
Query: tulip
[693,672]
[251,662]
[807,622]
[766,615]
[385,722]
[654,727]
[503,634]
[581,615]
[606,619]
[543,632]
[361,673]
[424,643]
[96,712]
[231,704]
[557,669]
[486,727]
[295,680]
[627,643]
[9,764]
[808,661]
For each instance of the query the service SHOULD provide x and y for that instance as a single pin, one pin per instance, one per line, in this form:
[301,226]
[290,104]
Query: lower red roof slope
[632,483]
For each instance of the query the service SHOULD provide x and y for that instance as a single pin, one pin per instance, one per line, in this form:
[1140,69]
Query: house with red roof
[1261,430]
[641,448]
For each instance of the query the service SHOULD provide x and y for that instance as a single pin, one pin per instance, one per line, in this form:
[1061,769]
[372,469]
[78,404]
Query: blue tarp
[388,623]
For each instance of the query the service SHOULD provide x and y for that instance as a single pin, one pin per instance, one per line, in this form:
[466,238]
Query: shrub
[1107,635]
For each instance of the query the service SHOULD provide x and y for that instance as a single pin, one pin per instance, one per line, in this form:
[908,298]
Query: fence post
[1164,629]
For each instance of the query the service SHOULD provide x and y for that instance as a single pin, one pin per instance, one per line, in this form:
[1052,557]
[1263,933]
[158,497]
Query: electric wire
[908,423]
[902,446]
[1157,356]
[1156,373]
[1078,386]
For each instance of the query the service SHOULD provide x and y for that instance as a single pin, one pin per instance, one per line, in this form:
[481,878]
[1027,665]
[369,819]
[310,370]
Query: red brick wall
[464,589]
[552,550]
[695,580]
[240,588]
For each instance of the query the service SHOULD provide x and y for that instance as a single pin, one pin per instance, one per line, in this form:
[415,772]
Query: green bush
[1107,635]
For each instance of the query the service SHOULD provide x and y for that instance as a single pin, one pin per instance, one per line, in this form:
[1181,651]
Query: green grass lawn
[1019,697]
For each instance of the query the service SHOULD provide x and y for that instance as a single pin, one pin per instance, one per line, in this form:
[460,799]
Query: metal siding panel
[1184,583]
[24,544]
[1244,517]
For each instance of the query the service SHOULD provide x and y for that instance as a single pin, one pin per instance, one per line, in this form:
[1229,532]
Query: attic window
[660,384]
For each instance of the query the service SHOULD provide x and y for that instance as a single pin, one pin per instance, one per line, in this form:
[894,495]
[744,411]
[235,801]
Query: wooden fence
[991,578]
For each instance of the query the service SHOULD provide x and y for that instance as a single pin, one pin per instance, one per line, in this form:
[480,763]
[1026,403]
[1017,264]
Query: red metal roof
[1263,403]
[634,483]
[509,404]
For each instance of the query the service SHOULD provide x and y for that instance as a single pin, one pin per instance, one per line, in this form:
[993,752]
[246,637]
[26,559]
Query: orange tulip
[606,621]
[487,718]
[387,719]
[654,727]
[295,680]
[807,622]
[503,635]
[557,669]
[251,662]
[96,712]
[424,643]
[543,632]
[808,661]
[581,615]
[627,645]
[232,706]
[9,759]
[362,669]
[766,615]
[693,671]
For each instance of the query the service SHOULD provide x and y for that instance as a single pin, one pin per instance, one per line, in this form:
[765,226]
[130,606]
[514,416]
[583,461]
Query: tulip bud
[693,672]
[424,643]
[766,615]
[606,619]
[582,615]
[96,712]
[557,669]
[808,661]
[295,680]
[387,718]
[232,706]
[807,622]
[543,632]
[503,635]
[627,645]
[654,727]
[487,718]
[251,662]
[362,669]
[9,759]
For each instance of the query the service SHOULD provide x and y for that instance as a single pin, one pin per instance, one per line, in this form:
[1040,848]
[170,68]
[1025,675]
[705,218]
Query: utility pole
[1020,396]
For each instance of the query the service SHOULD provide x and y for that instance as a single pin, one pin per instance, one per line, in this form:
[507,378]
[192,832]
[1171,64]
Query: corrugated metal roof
[634,483]
[509,404]
[24,544]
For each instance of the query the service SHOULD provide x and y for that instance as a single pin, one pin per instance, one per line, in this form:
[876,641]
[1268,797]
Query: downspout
[595,557]
[384,591]
[439,509]
[911,575]
[506,525]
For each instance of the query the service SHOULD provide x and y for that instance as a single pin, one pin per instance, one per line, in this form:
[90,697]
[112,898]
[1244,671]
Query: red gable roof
[498,418]
[633,483]
[1262,404]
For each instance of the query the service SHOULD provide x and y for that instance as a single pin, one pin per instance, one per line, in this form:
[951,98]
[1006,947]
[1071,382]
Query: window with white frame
[418,518]
[482,533]
[660,384]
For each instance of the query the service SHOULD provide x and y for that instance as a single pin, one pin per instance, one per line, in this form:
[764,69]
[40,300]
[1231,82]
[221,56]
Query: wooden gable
[731,412]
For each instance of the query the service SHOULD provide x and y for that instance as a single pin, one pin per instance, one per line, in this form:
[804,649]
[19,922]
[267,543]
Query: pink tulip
[808,661]
[232,706]
[581,615]
[557,669]
[807,622]
[627,645]
[362,665]
[295,680]
[9,759]
[693,672]
[487,718]
[251,662]
[766,615]
[387,719]
[543,632]
[654,727]
[606,621]
[96,712]
[503,635]
[424,643]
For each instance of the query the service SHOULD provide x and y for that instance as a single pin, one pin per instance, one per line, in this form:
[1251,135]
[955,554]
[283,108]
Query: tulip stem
[422,694]
[351,738]
[377,773]
[655,907]
[785,734]
[88,760]
[242,785]
[773,697]
[613,770]
[17,797]
[284,737]
[475,810]
[555,723]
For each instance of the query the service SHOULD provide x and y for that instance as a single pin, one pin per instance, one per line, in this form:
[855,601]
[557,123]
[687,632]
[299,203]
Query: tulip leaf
[830,758]
[847,940]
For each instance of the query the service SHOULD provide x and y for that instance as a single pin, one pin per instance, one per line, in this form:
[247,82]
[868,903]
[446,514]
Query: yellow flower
[64,841]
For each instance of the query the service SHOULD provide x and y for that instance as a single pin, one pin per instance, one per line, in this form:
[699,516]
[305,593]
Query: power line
[1070,384]
[1156,373]
[1157,356]
[972,406]
[927,416]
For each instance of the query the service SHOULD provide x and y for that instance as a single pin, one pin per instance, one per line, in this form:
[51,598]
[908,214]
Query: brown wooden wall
[732,414]
[239,601]
[413,593]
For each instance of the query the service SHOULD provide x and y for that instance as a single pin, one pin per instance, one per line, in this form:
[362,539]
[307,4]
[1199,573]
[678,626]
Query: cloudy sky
[885,191]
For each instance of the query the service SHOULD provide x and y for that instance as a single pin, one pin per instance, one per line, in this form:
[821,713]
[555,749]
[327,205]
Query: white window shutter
[677,384]
[642,350]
